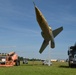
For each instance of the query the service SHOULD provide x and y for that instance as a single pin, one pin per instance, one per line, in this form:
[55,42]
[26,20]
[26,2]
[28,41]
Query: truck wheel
[71,65]
[17,63]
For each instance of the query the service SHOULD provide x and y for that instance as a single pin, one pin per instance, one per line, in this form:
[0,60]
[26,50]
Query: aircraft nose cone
[37,11]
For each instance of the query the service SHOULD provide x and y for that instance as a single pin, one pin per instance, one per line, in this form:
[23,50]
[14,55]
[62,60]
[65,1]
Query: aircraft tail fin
[57,31]
[44,45]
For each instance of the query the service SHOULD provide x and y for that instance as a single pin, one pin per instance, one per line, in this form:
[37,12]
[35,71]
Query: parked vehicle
[72,56]
[11,59]
[25,61]
[46,62]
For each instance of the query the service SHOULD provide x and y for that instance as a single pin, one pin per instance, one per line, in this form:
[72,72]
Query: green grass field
[35,68]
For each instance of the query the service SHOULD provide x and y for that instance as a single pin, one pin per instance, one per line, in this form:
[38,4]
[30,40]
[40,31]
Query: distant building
[54,60]
[62,60]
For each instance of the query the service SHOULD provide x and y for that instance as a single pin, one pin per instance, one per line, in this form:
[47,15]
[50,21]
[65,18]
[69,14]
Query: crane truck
[10,59]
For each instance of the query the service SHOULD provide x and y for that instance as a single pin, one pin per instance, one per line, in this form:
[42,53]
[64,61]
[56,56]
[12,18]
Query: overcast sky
[20,32]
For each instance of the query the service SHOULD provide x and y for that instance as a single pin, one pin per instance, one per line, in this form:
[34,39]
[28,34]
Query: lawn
[35,68]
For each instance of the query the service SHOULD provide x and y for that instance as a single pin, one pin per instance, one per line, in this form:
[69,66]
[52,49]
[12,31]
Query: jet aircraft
[47,33]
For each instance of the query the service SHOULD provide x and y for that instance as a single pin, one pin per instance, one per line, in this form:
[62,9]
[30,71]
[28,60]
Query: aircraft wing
[44,45]
[57,31]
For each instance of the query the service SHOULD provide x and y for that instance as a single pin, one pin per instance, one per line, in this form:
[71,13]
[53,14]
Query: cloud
[16,12]
[20,31]
[7,46]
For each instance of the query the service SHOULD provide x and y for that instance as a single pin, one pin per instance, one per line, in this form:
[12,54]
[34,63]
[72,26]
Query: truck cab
[2,59]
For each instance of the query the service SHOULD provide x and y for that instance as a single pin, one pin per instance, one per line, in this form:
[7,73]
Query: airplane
[47,33]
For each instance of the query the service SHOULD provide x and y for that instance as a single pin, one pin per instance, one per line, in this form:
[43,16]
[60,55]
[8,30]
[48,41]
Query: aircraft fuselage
[46,31]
